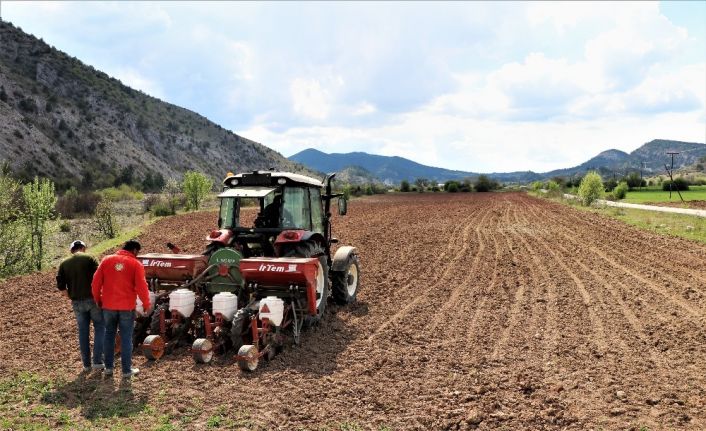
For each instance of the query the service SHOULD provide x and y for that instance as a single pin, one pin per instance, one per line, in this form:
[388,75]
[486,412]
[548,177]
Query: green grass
[680,225]
[654,194]
[33,401]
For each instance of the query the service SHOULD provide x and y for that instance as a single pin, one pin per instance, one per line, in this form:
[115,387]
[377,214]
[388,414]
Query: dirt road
[487,311]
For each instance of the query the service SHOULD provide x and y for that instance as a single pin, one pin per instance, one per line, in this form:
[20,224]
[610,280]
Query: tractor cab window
[296,212]
[228,217]
[317,219]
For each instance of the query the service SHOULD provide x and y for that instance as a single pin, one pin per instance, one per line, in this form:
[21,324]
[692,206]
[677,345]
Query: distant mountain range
[366,167]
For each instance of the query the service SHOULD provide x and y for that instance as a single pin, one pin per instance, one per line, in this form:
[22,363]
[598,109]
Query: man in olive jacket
[74,277]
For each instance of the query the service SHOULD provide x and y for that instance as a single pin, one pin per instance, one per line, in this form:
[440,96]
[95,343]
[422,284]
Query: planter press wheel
[247,358]
[153,347]
[202,351]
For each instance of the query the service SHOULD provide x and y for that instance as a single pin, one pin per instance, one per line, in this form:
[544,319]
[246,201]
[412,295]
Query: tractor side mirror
[342,206]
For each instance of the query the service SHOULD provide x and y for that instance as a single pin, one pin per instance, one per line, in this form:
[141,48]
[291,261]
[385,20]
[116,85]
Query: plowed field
[487,311]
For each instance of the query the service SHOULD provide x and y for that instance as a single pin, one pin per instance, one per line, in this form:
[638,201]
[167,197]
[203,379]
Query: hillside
[653,154]
[609,162]
[64,119]
[386,169]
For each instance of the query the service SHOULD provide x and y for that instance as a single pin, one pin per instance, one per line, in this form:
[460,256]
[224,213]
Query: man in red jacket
[118,281]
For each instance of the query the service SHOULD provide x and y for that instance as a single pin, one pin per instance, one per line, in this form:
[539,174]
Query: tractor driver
[270,215]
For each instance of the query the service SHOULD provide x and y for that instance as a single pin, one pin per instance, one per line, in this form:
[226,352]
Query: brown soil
[475,311]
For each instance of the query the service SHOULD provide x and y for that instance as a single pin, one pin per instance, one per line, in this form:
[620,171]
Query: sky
[473,86]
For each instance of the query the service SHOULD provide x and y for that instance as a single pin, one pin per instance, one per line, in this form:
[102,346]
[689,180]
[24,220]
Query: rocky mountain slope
[63,119]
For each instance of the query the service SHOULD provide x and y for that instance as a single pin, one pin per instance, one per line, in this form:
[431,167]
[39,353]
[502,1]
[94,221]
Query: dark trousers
[86,311]
[125,321]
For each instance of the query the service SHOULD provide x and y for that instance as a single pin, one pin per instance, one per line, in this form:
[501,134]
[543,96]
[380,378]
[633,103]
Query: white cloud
[474,86]
[310,99]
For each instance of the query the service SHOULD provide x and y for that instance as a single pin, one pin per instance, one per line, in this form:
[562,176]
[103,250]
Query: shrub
[621,190]
[65,226]
[73,203]
[196,186]
[452,187]
[537,186]
[150,201]
[590,189]
[162,209]
[404,186]
[679,184]
[28,105]
[122,193]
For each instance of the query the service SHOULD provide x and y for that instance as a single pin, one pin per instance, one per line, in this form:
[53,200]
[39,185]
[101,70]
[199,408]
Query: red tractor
[256,286]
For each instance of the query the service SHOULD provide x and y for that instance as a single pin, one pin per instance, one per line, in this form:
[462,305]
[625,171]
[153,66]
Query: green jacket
[75,274]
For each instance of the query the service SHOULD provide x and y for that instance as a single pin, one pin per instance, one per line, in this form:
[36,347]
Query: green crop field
[654,194]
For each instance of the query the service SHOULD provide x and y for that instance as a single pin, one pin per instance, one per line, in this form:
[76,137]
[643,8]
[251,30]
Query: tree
[14,237]
[485,184]
[421,183]
[404,186]
[196,186]
[172,191]
[633,180]
[610,184]
[126,176]
[105,220]
[591,188]
[40,200]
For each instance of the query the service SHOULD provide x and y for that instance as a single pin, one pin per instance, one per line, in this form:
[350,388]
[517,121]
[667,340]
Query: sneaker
[98,366]
[133,372]
[108,371]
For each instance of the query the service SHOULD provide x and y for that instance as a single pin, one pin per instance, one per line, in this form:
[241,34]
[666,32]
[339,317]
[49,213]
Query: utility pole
[671,177]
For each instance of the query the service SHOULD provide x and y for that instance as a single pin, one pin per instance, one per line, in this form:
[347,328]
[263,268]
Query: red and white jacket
[118,281]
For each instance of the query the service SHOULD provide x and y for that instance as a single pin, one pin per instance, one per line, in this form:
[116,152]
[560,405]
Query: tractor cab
[291,208]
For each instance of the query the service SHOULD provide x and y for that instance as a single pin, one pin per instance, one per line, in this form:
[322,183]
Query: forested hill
[66,120]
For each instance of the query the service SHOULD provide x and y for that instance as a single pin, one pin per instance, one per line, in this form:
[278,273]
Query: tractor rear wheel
[344,284]
[311,249]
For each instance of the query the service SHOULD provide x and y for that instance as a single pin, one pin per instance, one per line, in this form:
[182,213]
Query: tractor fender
[297,236]
[340,259]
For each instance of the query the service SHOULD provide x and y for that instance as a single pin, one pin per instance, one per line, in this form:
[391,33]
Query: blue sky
[474,86]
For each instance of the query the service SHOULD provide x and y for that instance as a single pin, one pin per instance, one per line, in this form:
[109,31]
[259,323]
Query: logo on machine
[268,267]
[157,263]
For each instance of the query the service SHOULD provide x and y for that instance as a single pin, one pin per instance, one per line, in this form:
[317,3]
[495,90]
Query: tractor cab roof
[270,179]
[247,192]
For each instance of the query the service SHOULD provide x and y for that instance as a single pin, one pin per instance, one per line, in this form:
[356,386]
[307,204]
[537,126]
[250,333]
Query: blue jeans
[86,311]
[125,321]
